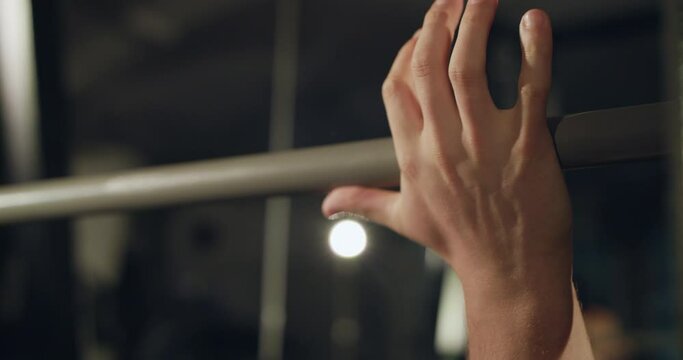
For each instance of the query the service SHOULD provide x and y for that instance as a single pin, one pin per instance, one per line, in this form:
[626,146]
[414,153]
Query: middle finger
[430,67]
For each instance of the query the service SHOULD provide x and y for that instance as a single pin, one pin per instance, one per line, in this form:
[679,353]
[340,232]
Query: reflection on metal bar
[621,134]
[582,140]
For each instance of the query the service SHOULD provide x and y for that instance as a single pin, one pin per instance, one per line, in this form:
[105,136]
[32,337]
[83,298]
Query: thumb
[374,204]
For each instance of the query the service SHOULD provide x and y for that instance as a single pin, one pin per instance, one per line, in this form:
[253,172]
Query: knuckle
[533,93]
[525,147]
[443,159]
[533,144]
[463,75]
[409,167]
[436,16]
[526,151]
[478,148]
[473,139]
[448,170]
[421,66]
[391,88]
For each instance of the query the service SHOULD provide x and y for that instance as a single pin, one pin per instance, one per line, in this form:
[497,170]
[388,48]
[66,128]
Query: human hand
[479,185]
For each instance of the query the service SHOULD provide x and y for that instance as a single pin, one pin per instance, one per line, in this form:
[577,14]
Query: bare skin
[481,186]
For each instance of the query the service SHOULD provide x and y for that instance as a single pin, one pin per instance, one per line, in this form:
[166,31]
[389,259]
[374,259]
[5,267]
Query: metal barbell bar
[586,139]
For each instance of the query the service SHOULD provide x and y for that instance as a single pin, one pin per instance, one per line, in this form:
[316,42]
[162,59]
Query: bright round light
[348,239]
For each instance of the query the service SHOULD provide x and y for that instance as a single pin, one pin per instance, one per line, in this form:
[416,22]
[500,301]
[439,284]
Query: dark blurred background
[124,84]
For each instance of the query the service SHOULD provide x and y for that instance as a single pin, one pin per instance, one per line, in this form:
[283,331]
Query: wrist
[534,322]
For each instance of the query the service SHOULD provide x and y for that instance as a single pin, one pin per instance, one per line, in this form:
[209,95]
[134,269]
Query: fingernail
[346,215]
[527,20]
[533,19]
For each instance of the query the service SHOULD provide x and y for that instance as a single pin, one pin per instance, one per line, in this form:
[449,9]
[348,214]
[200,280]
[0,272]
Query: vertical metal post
[99,246]
[18,90]
[345,328]
[278,209]
[37,277]
[20,137]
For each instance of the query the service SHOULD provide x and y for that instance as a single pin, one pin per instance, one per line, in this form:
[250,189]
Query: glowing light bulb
[348,239]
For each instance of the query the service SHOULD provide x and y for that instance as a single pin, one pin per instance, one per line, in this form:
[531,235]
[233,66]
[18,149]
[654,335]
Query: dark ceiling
[176,71]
